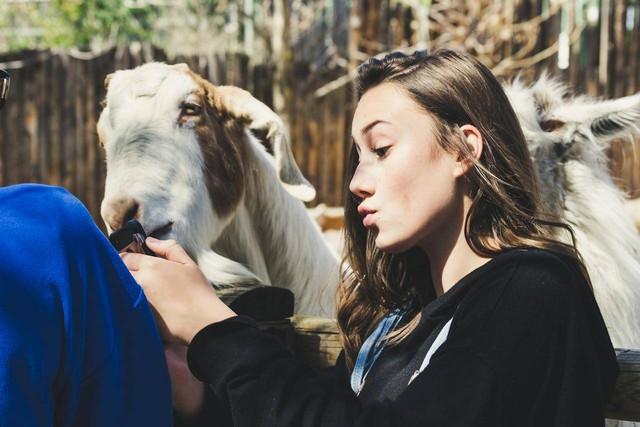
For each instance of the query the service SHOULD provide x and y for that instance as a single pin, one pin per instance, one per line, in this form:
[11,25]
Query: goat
[567,138]
[183,160]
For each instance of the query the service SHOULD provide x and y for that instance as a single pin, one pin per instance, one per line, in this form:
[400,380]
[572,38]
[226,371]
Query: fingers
[139,265]
[169,249]
[132,260]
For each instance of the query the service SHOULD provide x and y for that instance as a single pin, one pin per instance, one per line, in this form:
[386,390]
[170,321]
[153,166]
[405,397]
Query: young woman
[461,308]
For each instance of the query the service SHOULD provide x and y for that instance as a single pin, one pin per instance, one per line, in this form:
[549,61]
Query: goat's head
[176,151]
[561,129]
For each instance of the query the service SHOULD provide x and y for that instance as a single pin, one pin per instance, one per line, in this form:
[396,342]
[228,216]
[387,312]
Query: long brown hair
[455,89]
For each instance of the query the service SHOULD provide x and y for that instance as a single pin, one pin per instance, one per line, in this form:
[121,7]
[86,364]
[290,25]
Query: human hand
[182,298]
[186,391]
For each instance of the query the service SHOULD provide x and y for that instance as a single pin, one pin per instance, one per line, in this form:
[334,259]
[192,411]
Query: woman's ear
[473,138]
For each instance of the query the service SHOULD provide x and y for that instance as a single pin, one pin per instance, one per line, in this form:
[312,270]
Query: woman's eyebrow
[368,127]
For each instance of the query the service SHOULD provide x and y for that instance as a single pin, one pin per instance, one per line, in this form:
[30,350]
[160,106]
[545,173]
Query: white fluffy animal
[182,160]
[567,138]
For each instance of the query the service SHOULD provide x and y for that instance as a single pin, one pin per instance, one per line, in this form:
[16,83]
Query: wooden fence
[47,128]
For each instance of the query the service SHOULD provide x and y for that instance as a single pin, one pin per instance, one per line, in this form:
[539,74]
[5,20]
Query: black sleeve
[262,384]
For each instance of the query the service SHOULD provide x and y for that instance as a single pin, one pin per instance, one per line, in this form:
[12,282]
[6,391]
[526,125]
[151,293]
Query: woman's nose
[360,184]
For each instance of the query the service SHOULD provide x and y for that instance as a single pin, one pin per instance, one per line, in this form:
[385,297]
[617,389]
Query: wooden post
[625,403]
[603,66]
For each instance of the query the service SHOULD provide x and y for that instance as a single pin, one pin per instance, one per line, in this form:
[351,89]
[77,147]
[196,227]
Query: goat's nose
[117,212]
[561,149]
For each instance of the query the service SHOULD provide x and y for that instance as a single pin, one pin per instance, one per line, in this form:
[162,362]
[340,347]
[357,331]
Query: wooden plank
[51,117]
[313,340]
[78,69]
[618,73]
[324,143]
[30,122]
[42,134]
[625,404]
[605,36]
[21,152]
[12,117]
[574,72]
[82,171]
[634,50]
[338,144]
[68,93]
[316,340]
[88,142]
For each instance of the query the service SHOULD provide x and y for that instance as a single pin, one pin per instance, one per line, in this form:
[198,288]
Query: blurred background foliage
[83,24]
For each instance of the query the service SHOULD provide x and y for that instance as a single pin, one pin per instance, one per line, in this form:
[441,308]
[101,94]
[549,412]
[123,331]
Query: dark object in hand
[130,238]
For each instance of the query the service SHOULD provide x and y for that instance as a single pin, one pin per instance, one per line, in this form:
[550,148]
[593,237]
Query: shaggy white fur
[567,138]
[182,159]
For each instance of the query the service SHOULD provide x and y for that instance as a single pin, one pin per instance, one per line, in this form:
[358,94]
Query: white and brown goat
[568,138]
[182,160]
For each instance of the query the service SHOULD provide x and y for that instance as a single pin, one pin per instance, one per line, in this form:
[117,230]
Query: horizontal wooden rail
[625,403]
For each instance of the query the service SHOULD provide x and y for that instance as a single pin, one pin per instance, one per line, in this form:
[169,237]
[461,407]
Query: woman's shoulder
[524,285]
[539,269]
[546,274]
[531,297]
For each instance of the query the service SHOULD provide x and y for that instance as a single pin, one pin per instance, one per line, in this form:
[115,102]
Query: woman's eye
[381,152]
[190,109]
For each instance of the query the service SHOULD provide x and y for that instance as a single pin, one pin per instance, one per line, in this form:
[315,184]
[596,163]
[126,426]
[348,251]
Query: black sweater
[527,347]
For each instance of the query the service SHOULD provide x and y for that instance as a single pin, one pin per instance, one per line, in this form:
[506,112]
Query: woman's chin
[391,246]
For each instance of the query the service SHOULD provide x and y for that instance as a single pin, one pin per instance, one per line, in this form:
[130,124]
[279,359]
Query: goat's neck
[284,241]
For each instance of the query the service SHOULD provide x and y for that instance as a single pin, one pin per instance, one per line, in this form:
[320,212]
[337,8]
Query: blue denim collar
[372,348]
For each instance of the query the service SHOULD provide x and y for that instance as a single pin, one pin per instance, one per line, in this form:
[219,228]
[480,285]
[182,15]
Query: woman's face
[408,186]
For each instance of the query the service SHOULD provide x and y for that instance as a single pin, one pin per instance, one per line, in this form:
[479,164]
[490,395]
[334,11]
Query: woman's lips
[368,220]
[367,217]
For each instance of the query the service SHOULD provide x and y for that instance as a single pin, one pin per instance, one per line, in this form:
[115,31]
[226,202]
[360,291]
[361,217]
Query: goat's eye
[189,109]
[551,125]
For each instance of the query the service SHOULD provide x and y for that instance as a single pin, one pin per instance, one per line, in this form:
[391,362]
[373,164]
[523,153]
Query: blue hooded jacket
[78,343]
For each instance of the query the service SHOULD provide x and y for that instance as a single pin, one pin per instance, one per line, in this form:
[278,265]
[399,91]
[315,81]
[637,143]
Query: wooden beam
[625,403]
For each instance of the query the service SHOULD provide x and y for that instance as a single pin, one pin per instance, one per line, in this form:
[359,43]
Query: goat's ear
[613,117]
[242,105]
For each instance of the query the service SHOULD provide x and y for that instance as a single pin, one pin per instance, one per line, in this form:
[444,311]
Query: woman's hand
[182,298]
